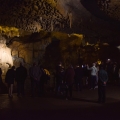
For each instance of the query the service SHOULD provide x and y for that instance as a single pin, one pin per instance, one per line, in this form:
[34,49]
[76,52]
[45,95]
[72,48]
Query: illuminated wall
[5,56]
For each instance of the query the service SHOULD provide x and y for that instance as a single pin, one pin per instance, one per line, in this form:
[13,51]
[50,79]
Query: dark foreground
[83,106]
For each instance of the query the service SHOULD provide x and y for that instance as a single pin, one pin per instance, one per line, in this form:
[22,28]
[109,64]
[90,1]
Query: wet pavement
[83,106]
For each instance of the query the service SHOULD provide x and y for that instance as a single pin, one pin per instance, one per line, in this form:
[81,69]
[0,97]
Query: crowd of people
[19,75]
[37,74]
[66,80]
[93,77]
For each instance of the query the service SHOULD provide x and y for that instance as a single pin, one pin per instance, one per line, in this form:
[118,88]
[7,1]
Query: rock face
[88,18]
[111,8]
[96,20]
[5,55]
[93,18]
[48,51]
[32,15]
[29,52]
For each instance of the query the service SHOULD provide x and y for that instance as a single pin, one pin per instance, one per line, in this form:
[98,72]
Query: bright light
[99,62]
[118,47]
[5,56]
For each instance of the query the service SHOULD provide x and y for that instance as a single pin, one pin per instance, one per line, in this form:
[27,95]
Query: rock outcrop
[70,16]
[32,26]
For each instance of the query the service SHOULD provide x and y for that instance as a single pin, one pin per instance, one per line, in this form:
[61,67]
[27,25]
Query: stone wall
[32,15]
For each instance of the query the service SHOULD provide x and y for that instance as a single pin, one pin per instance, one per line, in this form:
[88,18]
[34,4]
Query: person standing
[115,73]
[79,78]
[103,78]
[59,78]
[93,76]
[1,79]
[9,79]
[42,81]
[35,75]
[69,79]
[21,75]
[0,76]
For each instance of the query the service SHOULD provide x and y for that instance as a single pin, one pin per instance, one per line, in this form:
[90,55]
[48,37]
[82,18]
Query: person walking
[21,75]
[102,80]
[9,79]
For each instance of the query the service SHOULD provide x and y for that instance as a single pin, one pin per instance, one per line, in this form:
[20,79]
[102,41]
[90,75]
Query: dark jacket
[69,76]
[35,73]
[0,75]
[103,77]
[10,76]
[59,75]
[78,74]
[21,74]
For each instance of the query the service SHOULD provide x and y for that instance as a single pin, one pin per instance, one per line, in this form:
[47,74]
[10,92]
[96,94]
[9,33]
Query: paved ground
[84,106]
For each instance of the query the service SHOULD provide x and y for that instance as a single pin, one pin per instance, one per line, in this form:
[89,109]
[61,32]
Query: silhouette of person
[69,79]
[103,78]
[9,79]
[35,75]
[21,75]
[78,77]
[0,79]
[0,76]
[59,77]
[93,75]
